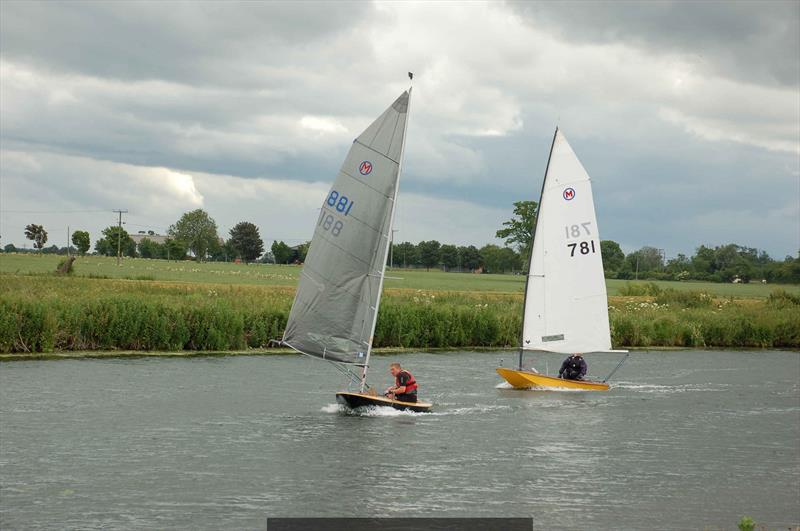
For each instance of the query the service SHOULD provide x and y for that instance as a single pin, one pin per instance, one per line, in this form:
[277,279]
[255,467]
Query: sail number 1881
[582,247]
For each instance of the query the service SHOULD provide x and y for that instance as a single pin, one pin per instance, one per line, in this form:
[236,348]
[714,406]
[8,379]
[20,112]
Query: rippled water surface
[684,440]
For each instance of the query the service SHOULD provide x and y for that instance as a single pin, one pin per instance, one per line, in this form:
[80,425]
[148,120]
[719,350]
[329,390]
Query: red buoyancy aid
[411,383]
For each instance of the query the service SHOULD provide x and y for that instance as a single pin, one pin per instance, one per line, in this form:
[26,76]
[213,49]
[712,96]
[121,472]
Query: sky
[685,115]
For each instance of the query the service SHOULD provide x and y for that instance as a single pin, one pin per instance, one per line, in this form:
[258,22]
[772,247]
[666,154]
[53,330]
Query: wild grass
[287,275]
[45,313]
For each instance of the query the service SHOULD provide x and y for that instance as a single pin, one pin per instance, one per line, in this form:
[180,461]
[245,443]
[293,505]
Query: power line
[5,211]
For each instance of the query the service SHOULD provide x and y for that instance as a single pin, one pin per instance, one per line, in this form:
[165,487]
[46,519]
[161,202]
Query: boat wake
[380,411]
[371,411]
[506,385]
[669,389]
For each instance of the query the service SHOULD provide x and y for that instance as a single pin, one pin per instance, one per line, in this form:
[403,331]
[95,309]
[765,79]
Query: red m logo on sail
[569,194]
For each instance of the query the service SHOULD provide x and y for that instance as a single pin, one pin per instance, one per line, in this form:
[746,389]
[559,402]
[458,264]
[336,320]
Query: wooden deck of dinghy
[356,400]
[528,380]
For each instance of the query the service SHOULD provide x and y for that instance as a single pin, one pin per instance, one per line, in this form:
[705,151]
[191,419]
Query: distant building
[150,235]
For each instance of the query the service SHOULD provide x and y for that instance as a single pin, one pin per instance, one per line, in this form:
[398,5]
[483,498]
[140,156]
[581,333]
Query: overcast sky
[686,115]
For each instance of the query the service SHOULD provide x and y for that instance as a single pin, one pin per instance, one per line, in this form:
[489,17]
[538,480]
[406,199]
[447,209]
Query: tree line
[195,235]
[195,232]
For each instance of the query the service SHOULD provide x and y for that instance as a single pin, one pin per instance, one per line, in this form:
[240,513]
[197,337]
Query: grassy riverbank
[102,267]
[45,313]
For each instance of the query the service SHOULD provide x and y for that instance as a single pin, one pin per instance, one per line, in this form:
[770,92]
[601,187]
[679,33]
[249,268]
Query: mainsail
[566,308]
[336,305]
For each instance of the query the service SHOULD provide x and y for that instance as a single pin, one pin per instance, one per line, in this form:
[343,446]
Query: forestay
[337,298]
[566,308]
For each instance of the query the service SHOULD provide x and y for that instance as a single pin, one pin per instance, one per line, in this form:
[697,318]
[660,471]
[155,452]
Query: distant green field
[280,275]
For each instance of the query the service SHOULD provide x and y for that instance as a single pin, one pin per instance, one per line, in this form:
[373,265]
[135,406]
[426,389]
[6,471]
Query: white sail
[336,305]
[566,308]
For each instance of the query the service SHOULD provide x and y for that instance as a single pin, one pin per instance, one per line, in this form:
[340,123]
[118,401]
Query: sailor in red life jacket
[405,387]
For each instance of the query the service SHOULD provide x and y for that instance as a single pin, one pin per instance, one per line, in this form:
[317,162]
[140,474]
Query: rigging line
[338,364]
[354,378]
[617,367]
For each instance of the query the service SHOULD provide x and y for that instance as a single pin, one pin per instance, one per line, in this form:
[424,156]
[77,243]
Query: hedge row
[128,321]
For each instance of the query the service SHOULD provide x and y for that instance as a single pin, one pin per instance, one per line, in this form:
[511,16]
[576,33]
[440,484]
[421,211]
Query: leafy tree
[490,256]
[81,241]
[787,271]
[198,230]
[470,258]
[174,249]
[150,249]
[102,247]
[680,265]
[112,236]
[645,260]
[405,254]
[9,248]
[282,252]
[498,259]
[37,234]
[222,252]
[448,256]
[613,257]
[509,260]
[301,251]
[429,253]
[246,241]
[518,230]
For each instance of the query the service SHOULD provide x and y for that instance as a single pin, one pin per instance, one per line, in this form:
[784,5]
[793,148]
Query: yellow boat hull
[527,380]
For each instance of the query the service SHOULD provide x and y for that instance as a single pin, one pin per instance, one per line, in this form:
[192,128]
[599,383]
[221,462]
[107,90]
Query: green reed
[46,313]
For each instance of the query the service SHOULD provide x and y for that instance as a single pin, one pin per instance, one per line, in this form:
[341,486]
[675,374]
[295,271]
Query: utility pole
[119,233]
[391,248]
[68,244]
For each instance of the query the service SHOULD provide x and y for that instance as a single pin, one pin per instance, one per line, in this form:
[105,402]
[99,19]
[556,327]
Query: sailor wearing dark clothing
[405,386]
[573,368]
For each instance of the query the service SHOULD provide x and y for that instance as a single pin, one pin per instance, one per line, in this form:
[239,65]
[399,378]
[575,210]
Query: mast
[530,256]
[387,236]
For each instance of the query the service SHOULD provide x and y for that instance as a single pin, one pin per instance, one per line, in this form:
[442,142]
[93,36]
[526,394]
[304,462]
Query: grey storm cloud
[686,115]
[209,43]
[756,42]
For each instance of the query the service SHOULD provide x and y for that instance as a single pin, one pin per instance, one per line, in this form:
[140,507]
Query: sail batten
[566,307]
[337,298]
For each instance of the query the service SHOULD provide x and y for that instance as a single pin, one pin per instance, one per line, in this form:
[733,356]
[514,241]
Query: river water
[685,440]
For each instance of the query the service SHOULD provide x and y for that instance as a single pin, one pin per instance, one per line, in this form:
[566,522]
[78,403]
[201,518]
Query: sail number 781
[582,247]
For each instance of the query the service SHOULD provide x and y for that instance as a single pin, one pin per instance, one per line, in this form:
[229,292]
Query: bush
[631,289]
[685,299]
[781,298]
[65,266]
[746,524]
[45,313]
